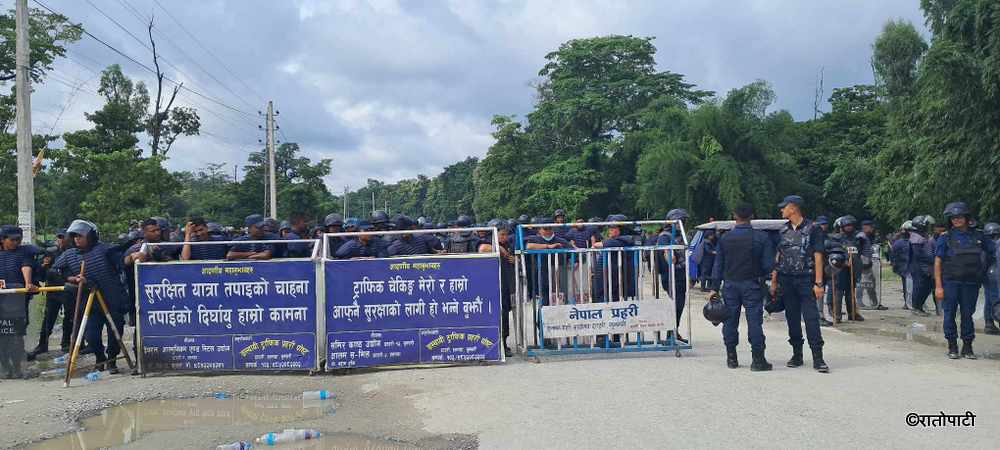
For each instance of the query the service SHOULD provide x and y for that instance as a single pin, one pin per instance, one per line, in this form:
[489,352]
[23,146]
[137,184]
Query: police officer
[256,231]
[899,258]
[992,285]
[462,241]
[506,251]
[921,264]
[619,262]
[413,244]
[54,301]
[363,245]
[102,276]
[799,273]
[744,258]
[334,223]
[546,239]
[671,236]
[854,245]
[961,258]
[379,220]
[559,216]
[197,230]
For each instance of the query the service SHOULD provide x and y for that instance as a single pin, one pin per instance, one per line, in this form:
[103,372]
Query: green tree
[450,194]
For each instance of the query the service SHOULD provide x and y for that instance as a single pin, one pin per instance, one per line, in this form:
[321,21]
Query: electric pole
[25,178]
[273,187]
[346,190]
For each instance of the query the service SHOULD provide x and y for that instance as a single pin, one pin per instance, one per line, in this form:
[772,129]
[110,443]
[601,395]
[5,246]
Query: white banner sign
[590,319]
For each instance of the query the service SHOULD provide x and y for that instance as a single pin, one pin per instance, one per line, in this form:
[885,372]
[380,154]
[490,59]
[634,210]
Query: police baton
[36,291]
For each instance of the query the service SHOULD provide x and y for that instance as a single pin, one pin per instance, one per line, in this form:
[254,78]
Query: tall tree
[167,122]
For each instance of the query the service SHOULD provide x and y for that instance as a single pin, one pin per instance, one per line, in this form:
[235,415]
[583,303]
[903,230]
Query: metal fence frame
[522,300]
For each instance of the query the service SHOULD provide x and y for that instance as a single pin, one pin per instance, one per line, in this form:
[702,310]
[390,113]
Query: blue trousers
[746,294]
[680,291]
[960,297]
[923,286]
[800,306]
[96,323]
[991,291]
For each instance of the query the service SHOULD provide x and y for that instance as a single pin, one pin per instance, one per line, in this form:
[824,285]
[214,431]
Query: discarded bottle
[238,445]
[60,360]
[918,327]
[53,372]
[221,395]
[287,436]
[317,395]
[93,376]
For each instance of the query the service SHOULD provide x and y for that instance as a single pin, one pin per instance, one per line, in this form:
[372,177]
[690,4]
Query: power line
[147,68]
[209,52]
[149,20]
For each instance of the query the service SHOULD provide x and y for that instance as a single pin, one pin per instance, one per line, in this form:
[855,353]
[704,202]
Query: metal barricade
[602,300]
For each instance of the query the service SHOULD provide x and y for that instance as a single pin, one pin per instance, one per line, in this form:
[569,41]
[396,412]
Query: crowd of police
[807,261]
[804,266]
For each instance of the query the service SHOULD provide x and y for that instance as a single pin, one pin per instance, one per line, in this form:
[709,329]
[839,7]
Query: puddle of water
[127,423]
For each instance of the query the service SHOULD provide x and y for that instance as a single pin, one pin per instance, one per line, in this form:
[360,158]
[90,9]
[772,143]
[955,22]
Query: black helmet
[422,221]
[162,222]
[677,214]
[956,209]
[403,222]
[540,220]
[838,260]
[523,219]
[82,228]
[991,229]
[559,212]
[822,220]
[379,217]
[844,221]
[715,310]
[285,225]
[496,223]
[907,226]
[616,218]
[922,223]
[463,221]
[213,228]
[333,220]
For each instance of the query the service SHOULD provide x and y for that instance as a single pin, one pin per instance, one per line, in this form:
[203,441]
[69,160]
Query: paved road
[696,402]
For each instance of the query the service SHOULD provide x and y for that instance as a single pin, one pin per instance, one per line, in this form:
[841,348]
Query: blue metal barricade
[605,299]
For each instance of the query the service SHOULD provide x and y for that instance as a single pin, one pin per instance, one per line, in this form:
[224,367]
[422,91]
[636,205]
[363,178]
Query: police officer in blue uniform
[854,246]
[363,245]
[413,244]
[101,275]
[54,301]
[991,289]
[197,230]
[961,258]
[256,231]
[799,273]
[921,264]
[462,241]
[618,239]
[671,236]
[744,258]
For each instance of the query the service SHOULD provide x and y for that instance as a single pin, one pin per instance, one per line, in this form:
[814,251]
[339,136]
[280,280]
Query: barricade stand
[241,315]
[410,310]
[599,300]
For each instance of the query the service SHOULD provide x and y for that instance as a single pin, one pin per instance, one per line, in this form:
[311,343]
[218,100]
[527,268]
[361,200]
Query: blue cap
[253,220]
[867,222]
[11,231]
[793,199]
[364,225]
[822,220]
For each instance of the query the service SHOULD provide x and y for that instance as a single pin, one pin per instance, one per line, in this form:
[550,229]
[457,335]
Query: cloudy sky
[390,89]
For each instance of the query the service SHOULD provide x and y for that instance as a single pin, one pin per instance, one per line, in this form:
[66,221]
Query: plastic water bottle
[221,395]
[238,445]
[93,376]
[317,395]
[287,436]
[60,360]
[54,372]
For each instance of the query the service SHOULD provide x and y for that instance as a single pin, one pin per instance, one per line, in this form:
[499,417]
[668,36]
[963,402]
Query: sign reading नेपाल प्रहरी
[228,315]
[591,319]
[412,310]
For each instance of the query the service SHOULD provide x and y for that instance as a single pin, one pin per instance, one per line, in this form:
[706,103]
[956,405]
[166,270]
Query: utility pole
[346,190]
[273,191]
[373,201]
[25,178]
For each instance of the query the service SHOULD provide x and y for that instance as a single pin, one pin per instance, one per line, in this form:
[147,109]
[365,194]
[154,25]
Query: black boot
[41,348]
[818,362]
[796,360]
[759,364]
[967,349]
[953,349]
[731,361]
[991,328]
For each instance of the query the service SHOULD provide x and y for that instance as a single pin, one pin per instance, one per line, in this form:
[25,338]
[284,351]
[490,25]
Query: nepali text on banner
[228,315]
[407,311]
[590,319]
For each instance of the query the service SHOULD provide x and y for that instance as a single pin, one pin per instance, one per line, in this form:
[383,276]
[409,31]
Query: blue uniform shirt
[538,239]
[102,271]
[209,251]
[254,247]
[418,244]
[739,267]
[11,263]
[355,249]
[579,238]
